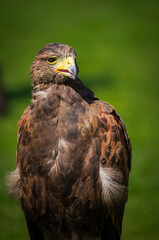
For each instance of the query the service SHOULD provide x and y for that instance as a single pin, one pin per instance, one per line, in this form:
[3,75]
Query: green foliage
[117,44]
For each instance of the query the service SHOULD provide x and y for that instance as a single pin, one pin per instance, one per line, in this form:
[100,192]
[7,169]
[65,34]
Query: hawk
[73,155]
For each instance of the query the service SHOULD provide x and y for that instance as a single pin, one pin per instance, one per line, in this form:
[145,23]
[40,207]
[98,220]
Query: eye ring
[51,60]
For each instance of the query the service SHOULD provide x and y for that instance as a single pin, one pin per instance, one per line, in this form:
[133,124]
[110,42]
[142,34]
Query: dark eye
[51,60]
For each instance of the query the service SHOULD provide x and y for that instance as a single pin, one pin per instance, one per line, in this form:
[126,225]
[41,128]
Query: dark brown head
[55,63]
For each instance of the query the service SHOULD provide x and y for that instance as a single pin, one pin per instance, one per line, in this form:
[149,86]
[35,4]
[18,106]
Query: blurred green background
[117,44]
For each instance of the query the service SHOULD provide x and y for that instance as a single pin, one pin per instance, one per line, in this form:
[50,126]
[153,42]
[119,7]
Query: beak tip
[73,71]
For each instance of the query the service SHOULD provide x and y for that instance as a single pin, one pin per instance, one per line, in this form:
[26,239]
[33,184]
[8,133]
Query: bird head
[55,63]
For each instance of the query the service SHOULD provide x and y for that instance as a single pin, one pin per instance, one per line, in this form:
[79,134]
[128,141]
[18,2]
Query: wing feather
[115,161]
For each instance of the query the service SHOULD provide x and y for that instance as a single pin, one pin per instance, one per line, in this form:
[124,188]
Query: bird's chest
[62,145]
[58,132]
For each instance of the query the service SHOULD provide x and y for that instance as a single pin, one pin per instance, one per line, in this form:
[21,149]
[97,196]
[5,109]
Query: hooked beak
[67,67]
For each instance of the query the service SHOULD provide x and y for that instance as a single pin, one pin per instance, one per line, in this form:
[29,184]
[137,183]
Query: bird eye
[51,60]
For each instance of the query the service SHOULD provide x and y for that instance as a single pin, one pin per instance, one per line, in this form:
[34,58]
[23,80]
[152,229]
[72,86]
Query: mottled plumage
[73,155]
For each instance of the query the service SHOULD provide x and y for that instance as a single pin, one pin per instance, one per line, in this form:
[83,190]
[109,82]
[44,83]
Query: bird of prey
[73,155]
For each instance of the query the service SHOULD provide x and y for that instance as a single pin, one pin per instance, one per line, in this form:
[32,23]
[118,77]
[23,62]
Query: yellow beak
[67,67]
